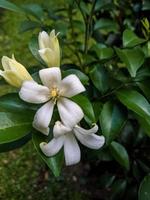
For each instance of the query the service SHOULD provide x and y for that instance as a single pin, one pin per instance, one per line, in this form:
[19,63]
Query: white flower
[54,90]
[49,48]
[65,136]
[14,72]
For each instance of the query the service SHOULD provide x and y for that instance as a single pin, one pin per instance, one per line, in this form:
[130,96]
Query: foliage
[106,44]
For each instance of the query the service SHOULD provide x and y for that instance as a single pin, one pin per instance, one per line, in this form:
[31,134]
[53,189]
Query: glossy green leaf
[105,53]
[134,101]
[12,103]
[5,89]
[83,77]
[13,127]
[16,143]
[130,39]
[133,58]
[120,154]
[10,6]
[106,24]
[145,124]
[33,9]
[55,162]
[144,86]
[144,190]
[97,107]
[99,78]
[86,106]
[28,25]
[112,120]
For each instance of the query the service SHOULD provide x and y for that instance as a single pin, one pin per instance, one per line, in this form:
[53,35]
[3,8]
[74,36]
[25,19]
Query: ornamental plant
[90,87]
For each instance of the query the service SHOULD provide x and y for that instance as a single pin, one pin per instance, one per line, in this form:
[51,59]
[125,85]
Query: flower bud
[14,73]
[49,48]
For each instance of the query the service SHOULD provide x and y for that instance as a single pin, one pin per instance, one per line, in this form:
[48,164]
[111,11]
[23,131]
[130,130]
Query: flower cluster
[54,91]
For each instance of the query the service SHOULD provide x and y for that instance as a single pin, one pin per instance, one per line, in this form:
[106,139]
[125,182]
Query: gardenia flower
[49,48]
[66,136]
[14,73]
[54,90]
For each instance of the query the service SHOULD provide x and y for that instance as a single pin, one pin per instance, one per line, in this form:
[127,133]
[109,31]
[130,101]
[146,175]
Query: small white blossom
[14,72]
[66,136]
[49,49]
[54,91]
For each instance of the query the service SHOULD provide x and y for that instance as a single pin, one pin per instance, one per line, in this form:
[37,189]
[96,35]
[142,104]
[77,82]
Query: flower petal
[50,57]
[34,93]
[53,147]
[71,150]
[59,129]
[71,86]
[50,77]
[44,40]
[43,117]
[90,139]
[70,113]
[90,131]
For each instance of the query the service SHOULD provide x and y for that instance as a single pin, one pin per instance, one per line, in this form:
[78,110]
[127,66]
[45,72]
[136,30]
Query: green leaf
[112,120]
[130,39]
[118,189]
[5,89]
[106,24]
[144,190]
[86,106]
[145,124]
[34,9]
[10,6]
[28,25]
[97,107]
[134,101]
[5,147]
[99,78]
[12,103]
[83,77]
[55,162]
[133,58]
[34,47]
[144,86]
[13,127]
[102,51]
[120,154]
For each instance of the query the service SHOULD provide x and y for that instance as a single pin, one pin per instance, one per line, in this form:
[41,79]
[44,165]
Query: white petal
[43,117]
[59,129]
[43,40]
[50,57]
[71,86]
[90,139]
[53,147]
[90,131]
[71,150]
[70,113]
[34,93]
[50,77]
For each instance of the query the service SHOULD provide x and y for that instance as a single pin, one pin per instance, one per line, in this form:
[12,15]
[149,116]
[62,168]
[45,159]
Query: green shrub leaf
[134,101]
[144,190]
[99,78]
[120,154]
[55,162]
[130,39]
[112,120]
[86,106]
[133,58]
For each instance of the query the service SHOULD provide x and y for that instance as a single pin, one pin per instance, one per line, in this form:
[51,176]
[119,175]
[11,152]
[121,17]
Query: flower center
[54,93]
